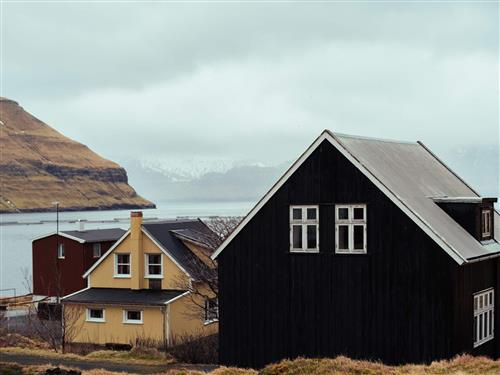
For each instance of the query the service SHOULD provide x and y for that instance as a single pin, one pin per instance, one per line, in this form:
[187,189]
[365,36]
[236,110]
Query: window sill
[132,322]
[207,322]
[153,277]
[95,320]
[312,251]
[351,252]
[122,276]
[477,344]
[61,258]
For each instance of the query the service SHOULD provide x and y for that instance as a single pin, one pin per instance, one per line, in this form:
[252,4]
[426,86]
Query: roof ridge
[447,167]
[362,137]
[169,221]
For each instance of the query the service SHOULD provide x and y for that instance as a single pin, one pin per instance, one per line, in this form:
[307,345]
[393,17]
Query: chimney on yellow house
[136,251]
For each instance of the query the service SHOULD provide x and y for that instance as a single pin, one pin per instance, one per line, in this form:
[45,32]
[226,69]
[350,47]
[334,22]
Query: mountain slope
[38,166]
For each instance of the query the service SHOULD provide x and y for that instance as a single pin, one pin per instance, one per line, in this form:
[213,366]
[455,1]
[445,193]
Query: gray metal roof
[112,296]
[415,176]
[202,238]
[96,235]
[162,231]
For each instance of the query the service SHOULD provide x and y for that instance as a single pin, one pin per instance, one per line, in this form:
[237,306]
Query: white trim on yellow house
[165,251]
[110,250]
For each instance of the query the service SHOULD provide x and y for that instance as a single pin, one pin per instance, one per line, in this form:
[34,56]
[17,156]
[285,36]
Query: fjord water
[18,230]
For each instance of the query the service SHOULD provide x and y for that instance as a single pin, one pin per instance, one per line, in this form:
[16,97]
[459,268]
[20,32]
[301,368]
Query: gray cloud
[254,81]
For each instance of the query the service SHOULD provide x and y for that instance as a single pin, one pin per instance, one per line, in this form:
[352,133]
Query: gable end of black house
[399,297]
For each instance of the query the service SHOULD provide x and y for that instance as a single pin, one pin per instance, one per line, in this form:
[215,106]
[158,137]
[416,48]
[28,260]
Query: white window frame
[208,318]
[88,318]
[146,266]
[350,222]
[303,222]
[96,245]
[132,321]
[61,251]
[483,307]
[486,223]
[123,275]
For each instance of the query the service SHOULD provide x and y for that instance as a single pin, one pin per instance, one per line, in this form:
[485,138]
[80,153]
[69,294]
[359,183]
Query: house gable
[421,217]
[103,275]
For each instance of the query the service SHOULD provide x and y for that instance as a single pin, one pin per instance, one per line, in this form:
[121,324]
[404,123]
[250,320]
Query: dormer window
[486,223]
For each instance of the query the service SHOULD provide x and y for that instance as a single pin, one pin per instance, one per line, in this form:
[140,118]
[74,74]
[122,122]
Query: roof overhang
[62,234]
[463,200]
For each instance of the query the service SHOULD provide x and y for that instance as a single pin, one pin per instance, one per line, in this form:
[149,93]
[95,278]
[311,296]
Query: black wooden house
[368,248]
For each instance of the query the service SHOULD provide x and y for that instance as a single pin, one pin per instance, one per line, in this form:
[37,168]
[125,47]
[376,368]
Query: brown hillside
[38,165]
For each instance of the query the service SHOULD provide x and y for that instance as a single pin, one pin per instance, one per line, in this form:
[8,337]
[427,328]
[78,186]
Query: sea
[18,230]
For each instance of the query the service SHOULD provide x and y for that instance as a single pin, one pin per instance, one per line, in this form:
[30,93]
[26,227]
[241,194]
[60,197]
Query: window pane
[123,269]
[154,270]
[343,213]
[297,236]
[481,302]
[154,259]
[475,304]
[123,258]
[343,237]
[96,314]
[359,213]
[480,327]
[359,235]
[491,322]
[297,214]
[311,237]
[311,214]
[133,315]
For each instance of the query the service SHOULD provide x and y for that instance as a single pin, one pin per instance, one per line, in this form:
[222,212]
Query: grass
[132,357]
[460,365]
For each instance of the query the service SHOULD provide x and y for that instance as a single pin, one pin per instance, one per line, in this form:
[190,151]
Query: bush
[196,349]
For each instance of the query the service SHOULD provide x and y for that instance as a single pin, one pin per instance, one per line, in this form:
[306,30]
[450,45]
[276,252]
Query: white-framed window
[154,266]
[484,316]
[122,265]
[304,229]
[486,223]
[96,250]
[60,251]
[350,228]
[132,316]
[95,315]
[211,310]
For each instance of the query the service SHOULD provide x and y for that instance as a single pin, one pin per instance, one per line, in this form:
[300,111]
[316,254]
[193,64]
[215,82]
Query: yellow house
[142,288]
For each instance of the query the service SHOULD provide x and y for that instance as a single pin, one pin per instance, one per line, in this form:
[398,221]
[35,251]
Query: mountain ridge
[39,165]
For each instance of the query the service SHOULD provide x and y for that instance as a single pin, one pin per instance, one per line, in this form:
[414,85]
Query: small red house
[59,261]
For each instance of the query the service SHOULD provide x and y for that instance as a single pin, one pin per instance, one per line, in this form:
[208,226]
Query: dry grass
[17,340]
[132,357]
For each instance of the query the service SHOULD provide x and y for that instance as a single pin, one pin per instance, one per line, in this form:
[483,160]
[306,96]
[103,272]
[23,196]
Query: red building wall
[53,276]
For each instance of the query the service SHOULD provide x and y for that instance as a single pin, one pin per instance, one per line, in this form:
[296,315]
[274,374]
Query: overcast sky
[254,82]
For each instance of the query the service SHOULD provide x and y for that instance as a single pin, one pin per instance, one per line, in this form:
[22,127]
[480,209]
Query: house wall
[103,275]
[393,304]
[46,265]
[186,321]
[114,330]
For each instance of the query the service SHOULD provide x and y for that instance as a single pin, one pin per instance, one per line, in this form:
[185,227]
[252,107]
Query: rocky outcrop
[38,166]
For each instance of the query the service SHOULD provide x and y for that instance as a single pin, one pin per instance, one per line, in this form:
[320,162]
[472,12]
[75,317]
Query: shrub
[195,349]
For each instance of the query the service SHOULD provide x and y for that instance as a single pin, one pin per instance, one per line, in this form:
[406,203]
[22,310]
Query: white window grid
[486,223]
[484,317]
[96,250]
[61,254]
[126,319]
[303,223]
[89,317]
[350,222]
[147,264]
[117,264]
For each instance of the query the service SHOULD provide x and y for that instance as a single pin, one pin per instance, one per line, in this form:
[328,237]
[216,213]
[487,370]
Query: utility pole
[57,249]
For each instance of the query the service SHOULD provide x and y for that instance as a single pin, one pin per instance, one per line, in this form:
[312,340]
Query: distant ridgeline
[38,166]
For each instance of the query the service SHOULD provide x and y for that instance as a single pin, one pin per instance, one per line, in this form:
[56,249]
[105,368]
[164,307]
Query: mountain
[237,182]
[38,166]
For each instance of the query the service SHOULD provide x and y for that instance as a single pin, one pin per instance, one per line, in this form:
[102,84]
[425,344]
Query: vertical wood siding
[398,303]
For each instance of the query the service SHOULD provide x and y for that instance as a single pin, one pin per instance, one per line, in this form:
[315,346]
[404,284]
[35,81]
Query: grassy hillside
[38,165]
